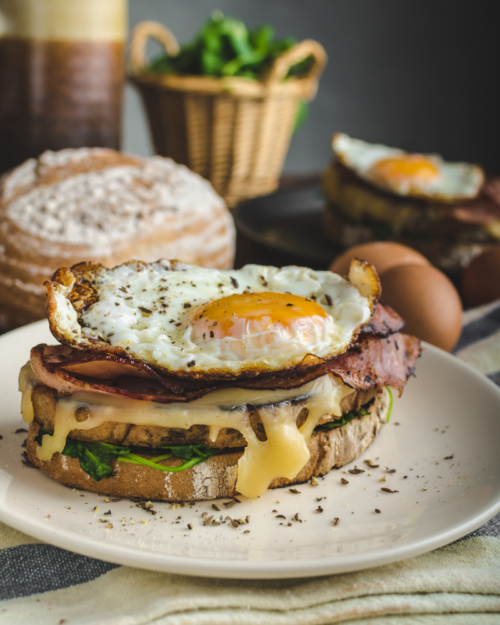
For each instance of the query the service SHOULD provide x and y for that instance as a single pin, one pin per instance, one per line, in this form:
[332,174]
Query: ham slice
[384,321]
[49,362]
[379,361]
[485,209]
[371,361]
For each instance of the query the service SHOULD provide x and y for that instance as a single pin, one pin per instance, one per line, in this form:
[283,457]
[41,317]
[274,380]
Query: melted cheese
[283,454]
[27,381]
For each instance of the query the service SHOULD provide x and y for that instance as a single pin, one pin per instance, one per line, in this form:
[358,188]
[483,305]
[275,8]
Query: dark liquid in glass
[58,94]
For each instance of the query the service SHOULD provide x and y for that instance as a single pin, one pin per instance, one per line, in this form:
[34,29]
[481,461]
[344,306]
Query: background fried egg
[424,176]
[197,319]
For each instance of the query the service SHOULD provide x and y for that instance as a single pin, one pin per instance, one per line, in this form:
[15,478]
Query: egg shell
[481,279]
[427,301]
[382,254]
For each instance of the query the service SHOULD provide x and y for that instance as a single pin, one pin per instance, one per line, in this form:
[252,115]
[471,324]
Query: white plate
[448,410]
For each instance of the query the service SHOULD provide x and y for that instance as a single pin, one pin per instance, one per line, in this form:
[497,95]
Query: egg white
[456,181]
[148,309]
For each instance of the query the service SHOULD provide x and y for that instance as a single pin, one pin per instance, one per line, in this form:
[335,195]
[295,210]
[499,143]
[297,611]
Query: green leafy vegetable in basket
[224,47]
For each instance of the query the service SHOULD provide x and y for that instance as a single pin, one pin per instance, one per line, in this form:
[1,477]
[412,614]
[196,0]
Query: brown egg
[481,279]
[427,301]
[383,255]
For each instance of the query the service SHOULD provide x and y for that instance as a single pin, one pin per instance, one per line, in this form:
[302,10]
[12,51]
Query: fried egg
[414,175]
[187,318]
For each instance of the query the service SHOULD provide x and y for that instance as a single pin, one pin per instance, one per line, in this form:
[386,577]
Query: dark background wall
[422,75]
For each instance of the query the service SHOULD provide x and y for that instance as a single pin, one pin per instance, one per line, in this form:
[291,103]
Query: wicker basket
[233,131]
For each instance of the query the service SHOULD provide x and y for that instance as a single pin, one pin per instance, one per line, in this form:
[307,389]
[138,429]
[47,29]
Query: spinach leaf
[356,413]
[95,458]
[302,115]
[39,436]
[344,420]
[195,459]
[391,401]
[192,454]
[224,46]
[187,452]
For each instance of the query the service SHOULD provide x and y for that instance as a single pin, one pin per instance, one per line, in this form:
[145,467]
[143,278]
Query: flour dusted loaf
[98,204]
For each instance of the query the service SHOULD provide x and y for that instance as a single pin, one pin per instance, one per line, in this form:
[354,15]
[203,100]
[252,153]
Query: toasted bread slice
[217,476]
[45,399]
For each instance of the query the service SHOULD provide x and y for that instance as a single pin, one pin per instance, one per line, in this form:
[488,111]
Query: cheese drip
[27,382]
[283,454]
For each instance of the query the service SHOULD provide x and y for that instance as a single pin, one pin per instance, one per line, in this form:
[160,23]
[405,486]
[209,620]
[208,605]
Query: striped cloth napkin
[458,584]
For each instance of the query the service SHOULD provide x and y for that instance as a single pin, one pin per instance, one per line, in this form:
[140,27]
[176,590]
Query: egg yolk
[250,314]
[410,169]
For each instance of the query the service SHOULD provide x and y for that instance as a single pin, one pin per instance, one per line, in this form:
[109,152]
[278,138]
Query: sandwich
[173,382]
[447,211]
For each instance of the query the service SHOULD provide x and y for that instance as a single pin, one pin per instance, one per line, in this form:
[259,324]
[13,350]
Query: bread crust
[217,476]
[200,231]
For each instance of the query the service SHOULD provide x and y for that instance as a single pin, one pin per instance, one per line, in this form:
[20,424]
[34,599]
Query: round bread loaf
[98,204]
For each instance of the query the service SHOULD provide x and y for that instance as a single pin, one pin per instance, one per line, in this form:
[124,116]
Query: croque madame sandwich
[178,383]
[447,211]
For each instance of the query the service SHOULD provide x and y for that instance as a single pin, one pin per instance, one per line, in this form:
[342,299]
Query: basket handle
[291,57]
[140,37]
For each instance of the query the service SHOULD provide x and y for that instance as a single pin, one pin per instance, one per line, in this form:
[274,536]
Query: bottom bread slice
[217,476]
